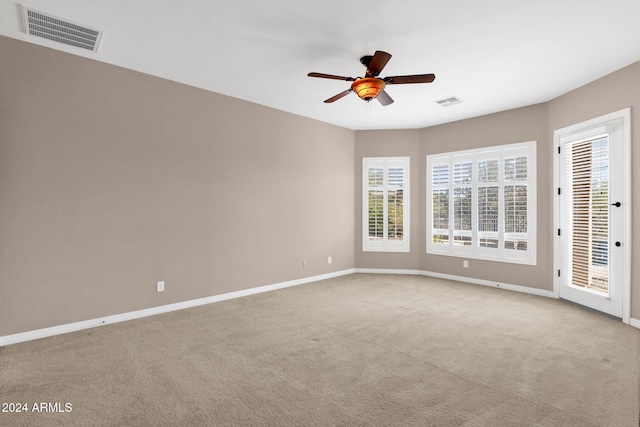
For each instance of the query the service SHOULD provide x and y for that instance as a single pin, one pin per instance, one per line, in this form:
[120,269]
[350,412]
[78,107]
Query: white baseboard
[116,318]
[507,286]
[389,271]
[500,285]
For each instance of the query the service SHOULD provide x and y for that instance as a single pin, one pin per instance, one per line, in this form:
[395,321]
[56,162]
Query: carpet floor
[358,350]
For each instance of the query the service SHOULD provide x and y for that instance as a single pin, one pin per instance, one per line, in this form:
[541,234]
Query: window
[385,204]
[482,203]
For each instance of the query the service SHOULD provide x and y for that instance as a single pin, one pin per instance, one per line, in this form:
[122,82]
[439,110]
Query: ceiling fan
[371,86]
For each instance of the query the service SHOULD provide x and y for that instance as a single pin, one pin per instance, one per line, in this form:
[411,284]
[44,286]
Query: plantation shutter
[515,203]
[395,203]
[588,167]
[481,203]
[462,200]
[385,204]
[376,203]
[488,183]
[440,203]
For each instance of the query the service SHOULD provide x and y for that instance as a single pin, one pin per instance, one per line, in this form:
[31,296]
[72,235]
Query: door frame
[625,114]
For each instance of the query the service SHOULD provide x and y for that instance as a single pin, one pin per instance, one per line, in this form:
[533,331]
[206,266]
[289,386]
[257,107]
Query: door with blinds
[592,212]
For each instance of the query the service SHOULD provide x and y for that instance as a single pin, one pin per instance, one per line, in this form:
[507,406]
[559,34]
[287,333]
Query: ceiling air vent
[448,102]
[49,27]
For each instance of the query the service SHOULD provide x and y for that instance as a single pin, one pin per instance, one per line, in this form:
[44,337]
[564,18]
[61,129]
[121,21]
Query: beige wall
[111,180]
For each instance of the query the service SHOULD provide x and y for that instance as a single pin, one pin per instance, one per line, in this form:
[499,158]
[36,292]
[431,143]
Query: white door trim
[558,134]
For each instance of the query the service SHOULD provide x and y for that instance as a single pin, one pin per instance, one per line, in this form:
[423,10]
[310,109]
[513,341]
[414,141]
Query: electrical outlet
[160,286]
[304,264]
[329,260]
[465,263]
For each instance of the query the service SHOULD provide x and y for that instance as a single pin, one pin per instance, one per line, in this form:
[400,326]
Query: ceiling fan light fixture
[368,88]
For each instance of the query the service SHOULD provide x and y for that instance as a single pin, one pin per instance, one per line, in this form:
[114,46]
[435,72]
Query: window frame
[500,253]
[385,244]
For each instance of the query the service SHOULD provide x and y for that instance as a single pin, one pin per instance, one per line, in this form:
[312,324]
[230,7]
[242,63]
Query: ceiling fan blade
[378,62]
[338,96]
[384,98]
[331,76]
[415,78]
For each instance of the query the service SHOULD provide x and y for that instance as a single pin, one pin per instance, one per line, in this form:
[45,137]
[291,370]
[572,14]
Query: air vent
[448,102]
[49,27]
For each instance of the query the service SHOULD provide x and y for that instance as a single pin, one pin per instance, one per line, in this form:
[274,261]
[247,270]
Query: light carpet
[358,350]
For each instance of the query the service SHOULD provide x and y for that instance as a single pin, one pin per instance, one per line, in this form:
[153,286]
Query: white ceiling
[493,54]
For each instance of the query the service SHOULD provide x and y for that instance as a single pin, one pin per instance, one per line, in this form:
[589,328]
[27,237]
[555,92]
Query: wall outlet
[329,260]
[304,264]
[465,263]
[160,286]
